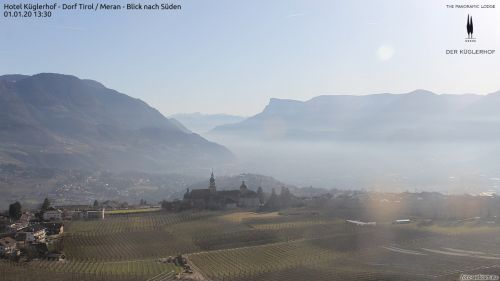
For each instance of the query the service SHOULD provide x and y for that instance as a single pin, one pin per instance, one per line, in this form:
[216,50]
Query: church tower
[212,187]
[243,187]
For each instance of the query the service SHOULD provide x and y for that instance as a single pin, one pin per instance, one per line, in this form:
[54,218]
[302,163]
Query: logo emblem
[470,30]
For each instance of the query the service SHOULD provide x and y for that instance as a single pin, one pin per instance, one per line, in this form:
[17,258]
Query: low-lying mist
[447,167]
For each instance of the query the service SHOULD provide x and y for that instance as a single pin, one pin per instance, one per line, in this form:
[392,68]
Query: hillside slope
[53,120]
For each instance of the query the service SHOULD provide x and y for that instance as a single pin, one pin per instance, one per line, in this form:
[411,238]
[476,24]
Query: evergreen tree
[164,204]
[15,211]
[96,204]
[273,202]
[260,194]
[285,197]
[45,205]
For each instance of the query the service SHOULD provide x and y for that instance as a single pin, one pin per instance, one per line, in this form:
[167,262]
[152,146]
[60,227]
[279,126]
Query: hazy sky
[232,56]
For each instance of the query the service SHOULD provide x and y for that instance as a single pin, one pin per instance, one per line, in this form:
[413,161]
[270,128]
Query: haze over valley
[419,141]
[202,123]
[399,142]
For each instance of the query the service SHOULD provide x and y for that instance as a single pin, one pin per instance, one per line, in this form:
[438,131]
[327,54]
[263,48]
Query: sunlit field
[290,245]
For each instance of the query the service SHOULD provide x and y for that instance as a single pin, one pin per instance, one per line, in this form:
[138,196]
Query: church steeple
[212,186]
[243,187]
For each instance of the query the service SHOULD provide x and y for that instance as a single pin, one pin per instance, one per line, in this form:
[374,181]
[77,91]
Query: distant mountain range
[202,123]
[60,121]
[417,116]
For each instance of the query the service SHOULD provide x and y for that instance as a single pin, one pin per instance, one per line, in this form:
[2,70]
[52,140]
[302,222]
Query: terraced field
[249,261]
[77,270]
[120,247]
[315,248]
[244,246]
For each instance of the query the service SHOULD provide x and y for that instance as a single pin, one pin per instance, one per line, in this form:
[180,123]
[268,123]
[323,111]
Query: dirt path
[197,273]
[461,254]
[403,251]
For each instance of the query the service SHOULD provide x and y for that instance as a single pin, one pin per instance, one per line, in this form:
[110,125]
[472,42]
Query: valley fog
[448,167]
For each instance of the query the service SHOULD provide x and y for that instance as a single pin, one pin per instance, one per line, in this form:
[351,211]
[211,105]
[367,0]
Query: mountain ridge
[202,123]
[417,115]
[54,120]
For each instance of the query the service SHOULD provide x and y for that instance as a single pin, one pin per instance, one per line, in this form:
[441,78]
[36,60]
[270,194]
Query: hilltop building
[210,198]
[31,234]
[52,214]
[7,246]
[53,228]
[89,214]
